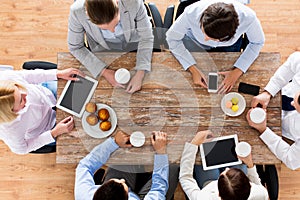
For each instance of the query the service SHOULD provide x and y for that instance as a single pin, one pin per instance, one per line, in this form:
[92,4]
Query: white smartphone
[212,82]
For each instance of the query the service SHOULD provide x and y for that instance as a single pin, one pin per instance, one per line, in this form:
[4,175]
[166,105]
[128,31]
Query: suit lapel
[125,21]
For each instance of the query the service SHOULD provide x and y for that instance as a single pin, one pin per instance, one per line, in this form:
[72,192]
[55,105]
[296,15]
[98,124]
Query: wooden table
[170,102]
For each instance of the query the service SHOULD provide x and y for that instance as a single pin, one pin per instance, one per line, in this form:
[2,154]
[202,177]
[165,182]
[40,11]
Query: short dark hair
[101,11]
[234,185]
[111,190]
[220,21]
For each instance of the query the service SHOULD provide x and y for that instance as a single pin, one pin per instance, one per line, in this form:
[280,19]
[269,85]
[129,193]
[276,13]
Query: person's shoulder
[296,54]
[77,5]
[130,4]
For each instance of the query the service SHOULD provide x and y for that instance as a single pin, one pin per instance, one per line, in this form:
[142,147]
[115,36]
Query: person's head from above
[296,102]
[233,184]
[12,100]
[219,22]
[111,190]
[104,13]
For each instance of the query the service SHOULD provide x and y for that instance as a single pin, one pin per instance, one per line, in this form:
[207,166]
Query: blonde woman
[27,117]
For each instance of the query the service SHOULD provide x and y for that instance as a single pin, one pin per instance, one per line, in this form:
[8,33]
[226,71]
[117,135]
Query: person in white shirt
[287,79]
[208,24]
[27,117]
[232,184]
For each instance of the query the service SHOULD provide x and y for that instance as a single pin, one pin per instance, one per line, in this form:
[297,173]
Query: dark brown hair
[111,190]
[234,185]
[101,11]
[220,21]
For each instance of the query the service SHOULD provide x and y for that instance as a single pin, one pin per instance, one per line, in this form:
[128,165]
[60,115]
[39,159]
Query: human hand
[135,83]
[230,78]
[247,160]
[202,136]
[122,139]
[64,126]
[260,127]
[109,75]
[262,99]
[159,142]
[68,74]
[198,76]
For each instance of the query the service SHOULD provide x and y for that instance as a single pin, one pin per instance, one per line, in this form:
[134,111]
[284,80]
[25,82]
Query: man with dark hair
[231,184]
[216,25]
[286,79]
[111,25]
[116,188]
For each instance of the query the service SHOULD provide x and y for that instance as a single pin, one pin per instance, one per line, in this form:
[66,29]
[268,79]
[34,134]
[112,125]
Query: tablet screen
[219,153]
[76,94]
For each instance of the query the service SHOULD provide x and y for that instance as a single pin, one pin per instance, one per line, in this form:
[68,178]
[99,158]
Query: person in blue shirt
[216,25]
[114,188]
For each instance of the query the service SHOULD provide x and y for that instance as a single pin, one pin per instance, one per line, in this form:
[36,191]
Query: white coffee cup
[243,149]
[137,139]
[257,115]
[122,76]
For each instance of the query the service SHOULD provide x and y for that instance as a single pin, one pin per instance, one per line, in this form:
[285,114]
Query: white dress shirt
[188,23]
[210,191]
[31,129]
[289,155]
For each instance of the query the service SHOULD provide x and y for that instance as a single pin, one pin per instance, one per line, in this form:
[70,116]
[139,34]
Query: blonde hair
[7,100]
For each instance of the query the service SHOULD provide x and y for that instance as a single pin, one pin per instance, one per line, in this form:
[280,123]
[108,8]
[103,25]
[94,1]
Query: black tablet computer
[220,152]
[76,94]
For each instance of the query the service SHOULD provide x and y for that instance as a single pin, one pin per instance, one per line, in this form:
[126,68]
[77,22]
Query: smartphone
[248,88]
[212,82]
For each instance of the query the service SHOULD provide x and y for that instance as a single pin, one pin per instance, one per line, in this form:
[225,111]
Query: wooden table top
[170,102]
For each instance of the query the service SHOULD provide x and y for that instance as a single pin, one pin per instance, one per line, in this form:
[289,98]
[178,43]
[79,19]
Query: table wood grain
[170,102]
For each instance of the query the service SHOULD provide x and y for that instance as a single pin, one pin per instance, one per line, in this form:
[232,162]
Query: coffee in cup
[257,115]
[137,139]
[122,76]
[243,149]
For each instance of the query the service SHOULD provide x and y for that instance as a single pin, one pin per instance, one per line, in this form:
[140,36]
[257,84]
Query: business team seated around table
[118,25]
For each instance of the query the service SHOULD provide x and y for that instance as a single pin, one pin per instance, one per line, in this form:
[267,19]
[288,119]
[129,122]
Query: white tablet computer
[76,94]
[220,152]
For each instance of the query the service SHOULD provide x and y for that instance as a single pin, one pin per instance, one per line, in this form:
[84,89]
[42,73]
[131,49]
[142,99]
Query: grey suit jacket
[136,27]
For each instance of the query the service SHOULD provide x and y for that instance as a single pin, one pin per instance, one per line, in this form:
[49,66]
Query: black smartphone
[248,88]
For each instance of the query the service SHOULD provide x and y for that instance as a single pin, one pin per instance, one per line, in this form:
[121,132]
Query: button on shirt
[289,155]
[31,129]
[85,187]
[188,23]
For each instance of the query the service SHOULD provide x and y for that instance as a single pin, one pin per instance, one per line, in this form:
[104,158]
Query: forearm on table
[288,154]
[187,162]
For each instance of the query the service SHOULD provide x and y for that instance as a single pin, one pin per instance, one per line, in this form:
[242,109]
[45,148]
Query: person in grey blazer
[111,25]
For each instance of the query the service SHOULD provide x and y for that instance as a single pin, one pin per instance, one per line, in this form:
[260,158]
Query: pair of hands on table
[206,136]
[261,100]
[158,139]
[230,78]
[66,125]
[134,85]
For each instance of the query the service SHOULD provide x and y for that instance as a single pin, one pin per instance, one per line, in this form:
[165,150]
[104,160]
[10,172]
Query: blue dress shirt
[84,183]
[188,23]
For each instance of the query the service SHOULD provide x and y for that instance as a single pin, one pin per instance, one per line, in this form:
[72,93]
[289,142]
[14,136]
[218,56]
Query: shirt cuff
[46,137]
[160,161]
[268,136]
[272,90]
[113,143]
[252,170]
